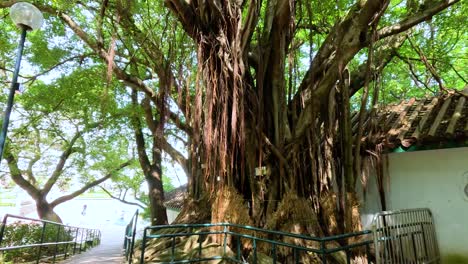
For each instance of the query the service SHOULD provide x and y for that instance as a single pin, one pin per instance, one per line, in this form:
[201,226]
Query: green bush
[19,233]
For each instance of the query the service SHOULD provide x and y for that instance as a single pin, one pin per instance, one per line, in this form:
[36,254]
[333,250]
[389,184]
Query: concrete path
[109,251]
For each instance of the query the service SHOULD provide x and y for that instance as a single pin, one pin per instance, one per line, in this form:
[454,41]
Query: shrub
[20,233]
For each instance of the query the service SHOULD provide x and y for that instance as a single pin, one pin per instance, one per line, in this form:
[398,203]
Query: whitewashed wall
[172,214]
[434,179]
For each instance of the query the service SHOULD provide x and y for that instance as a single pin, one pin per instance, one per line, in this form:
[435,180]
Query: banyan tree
[272,146]
[268,139]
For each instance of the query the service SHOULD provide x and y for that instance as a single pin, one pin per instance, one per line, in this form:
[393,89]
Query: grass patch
[94,195]
[455,259]
[6,204]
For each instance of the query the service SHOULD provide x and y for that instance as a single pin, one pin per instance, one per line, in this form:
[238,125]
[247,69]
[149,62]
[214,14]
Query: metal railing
[129,241]
[275,243]
[405,236]
[21,236]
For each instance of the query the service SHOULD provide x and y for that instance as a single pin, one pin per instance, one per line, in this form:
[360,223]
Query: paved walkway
[109,251]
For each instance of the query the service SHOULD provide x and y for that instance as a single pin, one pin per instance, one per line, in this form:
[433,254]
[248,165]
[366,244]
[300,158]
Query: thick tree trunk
[46,211]
[156,196]
[152,169]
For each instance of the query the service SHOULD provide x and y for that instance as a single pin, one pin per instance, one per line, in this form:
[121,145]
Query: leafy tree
[149,156]
[65,126]
[60,141]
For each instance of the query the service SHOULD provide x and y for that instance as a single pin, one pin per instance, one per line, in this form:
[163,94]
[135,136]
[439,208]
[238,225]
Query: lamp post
[27,17]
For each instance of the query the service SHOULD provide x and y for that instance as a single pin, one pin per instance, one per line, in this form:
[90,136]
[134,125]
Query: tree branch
[415,19]
[382,57]
[251,21]
[81,57]
[60,165]
[64,157]
[139,138]
[175,155]
[148,112]
[121,200]
[18,178]
[175,118]
[429,67]
[37,155]
[185,14]
[458,74]
[415,78]
[89,185]
[349,36]
[128,79]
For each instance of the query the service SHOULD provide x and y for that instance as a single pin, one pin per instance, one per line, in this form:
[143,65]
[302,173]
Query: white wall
[172,214]
[434,179]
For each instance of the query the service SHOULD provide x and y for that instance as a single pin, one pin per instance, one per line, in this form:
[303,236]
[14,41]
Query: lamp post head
[26,16]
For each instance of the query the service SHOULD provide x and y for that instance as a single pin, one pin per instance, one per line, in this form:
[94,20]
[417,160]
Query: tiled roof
[175,198]
[430,120]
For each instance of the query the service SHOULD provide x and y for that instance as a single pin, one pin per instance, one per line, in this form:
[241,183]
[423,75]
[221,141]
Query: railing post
[57,238]
[96,242]
[324,254]
[238,248]
[76,240]
[376,243]
[94,237]
[296,259]
[143,245]
[66,245]
[424,241]
[86,240]
[125,240]
[415,252]
[274,253]
[255,251]
[199,247]
[132,244]
[81,239]
[225,230]
[42,241]
[2,228]
[368,253]
[172,249]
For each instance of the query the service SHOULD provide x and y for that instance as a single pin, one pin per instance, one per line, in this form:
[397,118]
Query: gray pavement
[109,251]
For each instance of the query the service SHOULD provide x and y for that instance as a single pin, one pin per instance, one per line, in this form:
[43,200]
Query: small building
[424,149]
[174,202]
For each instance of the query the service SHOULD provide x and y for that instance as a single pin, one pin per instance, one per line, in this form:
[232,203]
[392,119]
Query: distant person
[83,213]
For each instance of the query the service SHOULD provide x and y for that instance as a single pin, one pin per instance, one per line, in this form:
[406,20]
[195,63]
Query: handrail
[129,241]
[321,248]
[80,238]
